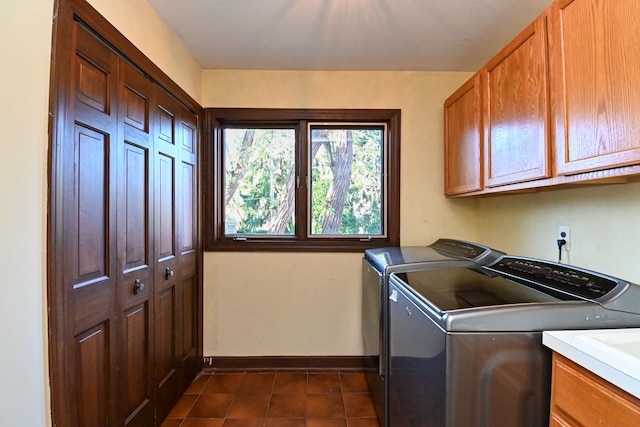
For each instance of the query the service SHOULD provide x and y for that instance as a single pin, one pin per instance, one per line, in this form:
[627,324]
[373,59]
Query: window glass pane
[259,173]
[347,181]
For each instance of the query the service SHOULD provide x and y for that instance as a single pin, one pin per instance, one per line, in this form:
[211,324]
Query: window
[301,179]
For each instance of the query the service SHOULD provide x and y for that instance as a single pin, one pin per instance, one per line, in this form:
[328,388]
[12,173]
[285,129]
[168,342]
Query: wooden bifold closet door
[124,262]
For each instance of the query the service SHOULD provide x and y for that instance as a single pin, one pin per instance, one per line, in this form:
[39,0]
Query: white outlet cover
[564,229]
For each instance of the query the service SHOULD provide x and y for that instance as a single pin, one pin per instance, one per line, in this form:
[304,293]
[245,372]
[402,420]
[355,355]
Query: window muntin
[221,236]
[346,191]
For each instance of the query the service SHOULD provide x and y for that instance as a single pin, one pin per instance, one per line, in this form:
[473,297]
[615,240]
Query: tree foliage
[346,181]
[346,176]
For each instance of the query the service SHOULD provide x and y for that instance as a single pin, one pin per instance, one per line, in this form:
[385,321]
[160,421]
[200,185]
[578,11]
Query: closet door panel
[135,247]
[188,232]
[165,209]
[135,207]
[188,227]
[93,377]
[87,165]
[93,80]
[167,320]
[137,388]
[189,313]
[88,216]
[166,337]
[92,287]
[167,378]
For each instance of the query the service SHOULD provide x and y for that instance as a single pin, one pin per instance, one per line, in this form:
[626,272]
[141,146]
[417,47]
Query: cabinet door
[595,81]
[516,110]
[463,139]
[581,398]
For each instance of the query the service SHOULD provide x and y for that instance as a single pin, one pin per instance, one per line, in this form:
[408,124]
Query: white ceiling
[434,35]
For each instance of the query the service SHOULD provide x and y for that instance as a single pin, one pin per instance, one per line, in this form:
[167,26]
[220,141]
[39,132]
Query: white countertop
[612,354]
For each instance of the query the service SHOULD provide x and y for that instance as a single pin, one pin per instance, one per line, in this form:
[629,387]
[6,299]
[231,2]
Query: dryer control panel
[459,248]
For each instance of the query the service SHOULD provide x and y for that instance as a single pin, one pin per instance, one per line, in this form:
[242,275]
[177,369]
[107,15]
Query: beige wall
[309,303]
[139,23]
[25,45]
[604,221]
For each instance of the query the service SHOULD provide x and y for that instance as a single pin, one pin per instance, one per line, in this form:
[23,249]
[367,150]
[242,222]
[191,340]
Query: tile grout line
[272,391]
[194,401]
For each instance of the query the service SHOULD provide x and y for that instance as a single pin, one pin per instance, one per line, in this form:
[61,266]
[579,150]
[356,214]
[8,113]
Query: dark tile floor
[276,399]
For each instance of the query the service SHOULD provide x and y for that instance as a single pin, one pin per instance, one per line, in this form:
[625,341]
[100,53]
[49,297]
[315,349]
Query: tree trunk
[337,195]
[236,175]
[287,206]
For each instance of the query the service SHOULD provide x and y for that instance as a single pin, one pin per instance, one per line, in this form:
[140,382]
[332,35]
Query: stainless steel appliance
[466,344]
[377,265]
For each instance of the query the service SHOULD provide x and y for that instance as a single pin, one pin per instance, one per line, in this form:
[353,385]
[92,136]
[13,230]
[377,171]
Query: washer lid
[466,300]
[447,290]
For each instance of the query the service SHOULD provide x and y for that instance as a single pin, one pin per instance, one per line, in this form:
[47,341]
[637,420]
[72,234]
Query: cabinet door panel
[595,80]
[463,139]
[516,110]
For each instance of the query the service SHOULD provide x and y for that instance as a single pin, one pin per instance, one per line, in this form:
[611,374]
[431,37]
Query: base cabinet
[579,398]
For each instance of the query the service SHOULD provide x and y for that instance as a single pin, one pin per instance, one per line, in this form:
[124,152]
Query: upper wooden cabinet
[595,77]
[516,109]
[561,105]
[463,139]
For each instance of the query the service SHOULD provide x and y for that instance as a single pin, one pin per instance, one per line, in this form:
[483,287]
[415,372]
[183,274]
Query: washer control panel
[571,280]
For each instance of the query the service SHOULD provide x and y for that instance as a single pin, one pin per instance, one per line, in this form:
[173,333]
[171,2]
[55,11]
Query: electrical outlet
[564,232]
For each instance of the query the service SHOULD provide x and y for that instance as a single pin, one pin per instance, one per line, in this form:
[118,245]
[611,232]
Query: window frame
[213,178]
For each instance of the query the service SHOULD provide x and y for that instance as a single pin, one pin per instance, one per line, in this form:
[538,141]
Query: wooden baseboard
[283,363]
